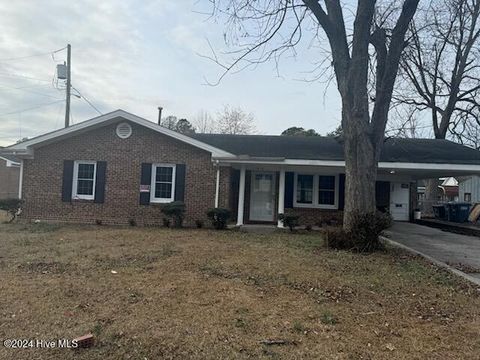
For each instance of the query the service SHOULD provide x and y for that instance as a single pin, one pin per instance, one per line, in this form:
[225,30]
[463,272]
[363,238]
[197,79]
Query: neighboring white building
[469,189]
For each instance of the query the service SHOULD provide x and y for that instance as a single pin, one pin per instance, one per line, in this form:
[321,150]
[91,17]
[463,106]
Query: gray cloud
[136,56]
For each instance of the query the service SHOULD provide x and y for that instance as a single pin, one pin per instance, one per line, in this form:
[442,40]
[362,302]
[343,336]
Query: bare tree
[441,69]
[405,122]
[466,131]
[235,121]
[441,65]
[180,125]
[204,122]
[169,122]
[266,29]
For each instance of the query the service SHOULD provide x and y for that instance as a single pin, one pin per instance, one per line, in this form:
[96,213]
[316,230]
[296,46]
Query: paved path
[449,248]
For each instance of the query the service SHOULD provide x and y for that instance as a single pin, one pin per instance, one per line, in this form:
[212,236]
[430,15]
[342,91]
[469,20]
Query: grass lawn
[201,294]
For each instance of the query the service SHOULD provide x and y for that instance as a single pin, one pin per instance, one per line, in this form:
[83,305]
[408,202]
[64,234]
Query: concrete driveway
[459,251]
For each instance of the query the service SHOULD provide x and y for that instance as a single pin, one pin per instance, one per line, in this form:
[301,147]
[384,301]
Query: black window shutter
[341,191]
[100,182]
[288,190]
[67,180]
[146,179]
[180,182]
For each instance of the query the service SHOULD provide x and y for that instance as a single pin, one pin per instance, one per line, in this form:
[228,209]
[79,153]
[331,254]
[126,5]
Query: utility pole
[69,85]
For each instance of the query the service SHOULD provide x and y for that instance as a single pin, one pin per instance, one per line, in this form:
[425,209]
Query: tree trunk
[431,185]
[360,168]
[431,196]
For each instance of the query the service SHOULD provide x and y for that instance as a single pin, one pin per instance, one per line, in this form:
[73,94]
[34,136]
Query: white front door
[399,201]
[262,196]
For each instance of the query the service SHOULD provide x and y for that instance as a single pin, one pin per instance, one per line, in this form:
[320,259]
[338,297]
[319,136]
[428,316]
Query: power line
[26,87]
[22,76]
[87,101]
[33,55]
[3,87]
[31,108]
[410,128]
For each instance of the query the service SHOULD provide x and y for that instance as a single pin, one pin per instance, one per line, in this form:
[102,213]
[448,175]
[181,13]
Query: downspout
[20,180]
[217,185]
[241,195]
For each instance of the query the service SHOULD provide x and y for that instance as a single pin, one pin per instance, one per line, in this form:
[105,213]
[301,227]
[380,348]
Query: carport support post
[281,196]
[241,196]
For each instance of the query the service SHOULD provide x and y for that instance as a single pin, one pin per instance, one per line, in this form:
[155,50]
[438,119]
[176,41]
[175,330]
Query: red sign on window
[144,188]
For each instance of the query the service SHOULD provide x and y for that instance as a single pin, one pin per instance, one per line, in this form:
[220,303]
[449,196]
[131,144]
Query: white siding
[469,185]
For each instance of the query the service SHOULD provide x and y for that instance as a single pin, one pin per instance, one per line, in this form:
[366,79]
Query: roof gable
[26,147]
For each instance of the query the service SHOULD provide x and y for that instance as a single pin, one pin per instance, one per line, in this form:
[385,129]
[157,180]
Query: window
[326,190]
[316,191]
[467,197]
[163,183]
[84,173]
[305,189]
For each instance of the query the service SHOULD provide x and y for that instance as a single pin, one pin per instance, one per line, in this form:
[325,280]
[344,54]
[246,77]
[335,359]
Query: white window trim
[76,163]
[154,199]
[315,203]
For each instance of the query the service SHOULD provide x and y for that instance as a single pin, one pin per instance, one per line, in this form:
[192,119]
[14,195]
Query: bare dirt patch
[41,267]
[199,294]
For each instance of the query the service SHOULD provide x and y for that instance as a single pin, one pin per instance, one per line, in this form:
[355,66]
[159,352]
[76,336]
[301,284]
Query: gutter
[409,166]
[23,154]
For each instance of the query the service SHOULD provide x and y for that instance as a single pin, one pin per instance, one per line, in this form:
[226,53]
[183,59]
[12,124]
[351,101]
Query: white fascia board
[429,166]
[10,163]
[22,147]
[281,162]
[341,163]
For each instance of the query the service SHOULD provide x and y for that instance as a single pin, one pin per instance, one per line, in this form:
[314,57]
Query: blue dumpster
[439,212]
[458,212]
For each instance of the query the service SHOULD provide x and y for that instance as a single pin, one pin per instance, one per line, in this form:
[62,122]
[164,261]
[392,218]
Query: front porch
[260,190]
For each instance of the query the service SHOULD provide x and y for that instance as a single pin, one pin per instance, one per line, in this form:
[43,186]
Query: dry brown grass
[4,216]
[200,294]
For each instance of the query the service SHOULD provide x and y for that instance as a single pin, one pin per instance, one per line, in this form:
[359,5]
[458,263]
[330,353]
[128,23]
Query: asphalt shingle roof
[329,148]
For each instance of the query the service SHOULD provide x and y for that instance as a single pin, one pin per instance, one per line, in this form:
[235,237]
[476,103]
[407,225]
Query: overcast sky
[138,55]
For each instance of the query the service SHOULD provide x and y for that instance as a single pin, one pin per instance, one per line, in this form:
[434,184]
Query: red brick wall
[225,183]
[43,177]
[9,177]
[316,217]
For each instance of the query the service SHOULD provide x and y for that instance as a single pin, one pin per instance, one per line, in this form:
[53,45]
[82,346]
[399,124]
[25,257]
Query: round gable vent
[124,130]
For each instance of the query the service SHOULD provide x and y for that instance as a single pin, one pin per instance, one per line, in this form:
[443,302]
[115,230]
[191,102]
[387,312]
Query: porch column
[217,186]
[241,196]
[281,196]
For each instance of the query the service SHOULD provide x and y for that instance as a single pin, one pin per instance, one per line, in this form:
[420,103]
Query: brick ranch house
[119,167]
